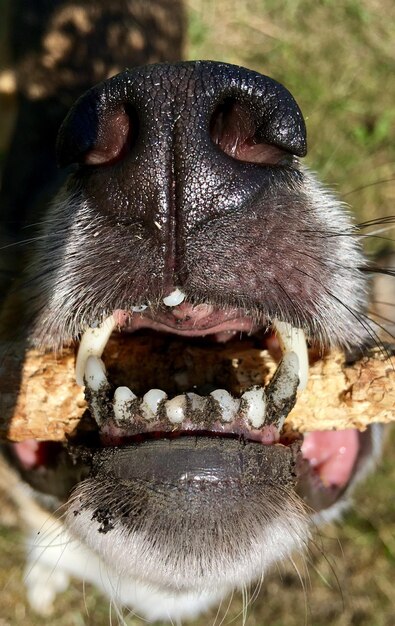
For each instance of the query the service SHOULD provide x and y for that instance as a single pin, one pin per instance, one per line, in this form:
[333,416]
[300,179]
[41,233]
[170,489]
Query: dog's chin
[192,513]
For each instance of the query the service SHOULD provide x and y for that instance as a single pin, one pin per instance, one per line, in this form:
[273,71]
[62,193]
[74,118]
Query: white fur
[53,556]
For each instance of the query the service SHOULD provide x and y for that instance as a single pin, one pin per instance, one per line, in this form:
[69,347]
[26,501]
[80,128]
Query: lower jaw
[173,512]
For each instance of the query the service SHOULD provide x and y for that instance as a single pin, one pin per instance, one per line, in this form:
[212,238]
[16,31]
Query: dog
[181,208]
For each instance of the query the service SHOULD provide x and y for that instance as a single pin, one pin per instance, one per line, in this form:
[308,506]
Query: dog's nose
[202,105]
[169,155]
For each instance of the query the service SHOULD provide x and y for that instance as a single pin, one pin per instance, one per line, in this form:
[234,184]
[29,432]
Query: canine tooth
[122,398]
[174,298]
[151,402]
[255,401]
[229,405]
[139,309]
[175,409]
[93,342]
[96,380]
[95,373]
[293,339]
[282,389]
[287,375]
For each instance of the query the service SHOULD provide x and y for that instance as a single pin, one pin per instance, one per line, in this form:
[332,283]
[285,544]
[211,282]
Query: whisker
[24,242]
[257,589]
[367,324]
[373,236]
[377,315]
[377,221]
[375,183]
[331,566]
[378,231]
[231,596]
[384,303]
[379,270]
[34,224]
[302,583]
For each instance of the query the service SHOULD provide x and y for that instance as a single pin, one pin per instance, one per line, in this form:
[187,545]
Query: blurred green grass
[337,60]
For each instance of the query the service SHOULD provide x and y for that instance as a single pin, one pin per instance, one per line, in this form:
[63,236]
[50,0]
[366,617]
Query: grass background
[337,60]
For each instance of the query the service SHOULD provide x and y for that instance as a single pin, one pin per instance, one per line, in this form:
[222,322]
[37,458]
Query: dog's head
[188,224]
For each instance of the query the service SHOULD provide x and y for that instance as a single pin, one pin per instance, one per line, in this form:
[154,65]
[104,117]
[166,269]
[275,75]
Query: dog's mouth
[187,390]
[193,370]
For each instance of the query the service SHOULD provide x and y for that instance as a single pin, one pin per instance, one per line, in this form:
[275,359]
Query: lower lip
[200,460]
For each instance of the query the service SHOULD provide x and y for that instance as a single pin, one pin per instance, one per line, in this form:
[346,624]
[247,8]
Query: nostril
[251,118]
[234,130]
[116,133]
[97,131]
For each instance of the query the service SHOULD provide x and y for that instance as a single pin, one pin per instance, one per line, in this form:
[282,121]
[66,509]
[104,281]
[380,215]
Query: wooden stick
[39,397]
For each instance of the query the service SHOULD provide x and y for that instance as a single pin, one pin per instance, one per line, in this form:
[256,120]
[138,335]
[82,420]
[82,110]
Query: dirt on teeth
[196,378]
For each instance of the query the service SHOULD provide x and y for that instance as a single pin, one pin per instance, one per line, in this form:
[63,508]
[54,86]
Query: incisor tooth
[123,396]
[151,402]
[174,298]
[293,340]
[92,343]
[175,409]
[254,401]
[228,405]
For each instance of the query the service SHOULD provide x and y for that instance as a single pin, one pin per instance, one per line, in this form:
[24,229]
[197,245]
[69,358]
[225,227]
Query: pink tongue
[332,454]
[28,453]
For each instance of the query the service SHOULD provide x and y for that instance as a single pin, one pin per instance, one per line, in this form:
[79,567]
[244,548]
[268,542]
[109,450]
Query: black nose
[250,117]
[172,156]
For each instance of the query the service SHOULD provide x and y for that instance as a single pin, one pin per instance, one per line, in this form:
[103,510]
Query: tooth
[139,309]
[151,402]
[174,298]
[228,405]
[175,409]
[96,380]
[93,342]
[254,402]
[123,396]
[282,389]
[293,340]
[196,402]
[95,373]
